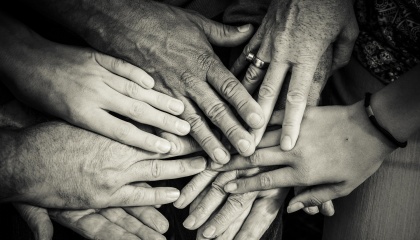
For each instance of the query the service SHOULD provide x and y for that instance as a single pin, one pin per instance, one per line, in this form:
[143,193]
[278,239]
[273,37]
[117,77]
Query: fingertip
[179,202]
[255,120]
[286,143]
[230,187]
[162,146]
[176,106]
[221,156]
[245,28]
[148,82]
[295,207]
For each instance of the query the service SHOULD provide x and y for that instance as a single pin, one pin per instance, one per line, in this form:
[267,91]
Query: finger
[316,196]
[224,35]
[297,96]
[235,205]
[150,217]
[270,139]
[37,219]
[327,208]
[263,213]
[146,114]
[155,170]
[270,91]
[253,77]
[202,133]
[198,199]
[234,227]
[156,99]
[271,156]
[125,69]
[129,196]
[343,47]
[283,177]
[276,118]
[181,145]
[124,132]
[130,224]
[251,47]
[235,93]
[214,197]
[222,116]
[194,187]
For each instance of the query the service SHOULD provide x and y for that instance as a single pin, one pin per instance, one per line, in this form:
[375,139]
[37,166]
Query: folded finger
[129,196]
[125,69]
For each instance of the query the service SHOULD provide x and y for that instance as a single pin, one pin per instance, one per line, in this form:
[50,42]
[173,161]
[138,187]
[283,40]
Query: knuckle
[122,132]
[205,61]
[230,87]
[190,81]
[200,210]
[217,189]
[196,122]
[236,202]
[266,92]
[216,111]
[251,75]
[137,109]
[156,168]
[296,97]
[314,201]
[232,130]
[266,181]
[132,89]
[117,63]
[256,158]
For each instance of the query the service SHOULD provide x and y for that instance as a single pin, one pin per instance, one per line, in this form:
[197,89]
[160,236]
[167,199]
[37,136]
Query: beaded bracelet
[375,123]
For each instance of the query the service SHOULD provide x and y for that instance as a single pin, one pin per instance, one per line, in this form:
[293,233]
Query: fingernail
[149,82]
[182,127]
[198,163]
[173,147]
[176,106]
[179,202]
[286,143]
[163,146]
[209,232]
[244,28]
[254,120]
[215,165]
[189,222]
[243,145]
[162,226]
[230,187]
[313,210]
[220,155]
[295,207]
[172,194]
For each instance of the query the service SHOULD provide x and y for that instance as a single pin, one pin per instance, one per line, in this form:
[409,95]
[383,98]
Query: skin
[292,37]
[174,47]
[83,87]
[338,149]
[55,165]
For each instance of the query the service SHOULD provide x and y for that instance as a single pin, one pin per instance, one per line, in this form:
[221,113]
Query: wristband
[375,123]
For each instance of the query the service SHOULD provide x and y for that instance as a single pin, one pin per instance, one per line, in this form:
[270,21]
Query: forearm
[397,106]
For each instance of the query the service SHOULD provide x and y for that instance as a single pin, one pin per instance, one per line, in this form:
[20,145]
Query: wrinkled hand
[338,149]
[292,37]
[55,165]
[83,86]
[110,223]
[174,47]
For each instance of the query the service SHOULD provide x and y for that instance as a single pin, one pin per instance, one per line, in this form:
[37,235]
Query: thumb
[315,196]
[224,35]
[38,220]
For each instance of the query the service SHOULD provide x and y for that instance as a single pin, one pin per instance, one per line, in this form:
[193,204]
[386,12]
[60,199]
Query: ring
[250,57]
[260,63]
[256,61]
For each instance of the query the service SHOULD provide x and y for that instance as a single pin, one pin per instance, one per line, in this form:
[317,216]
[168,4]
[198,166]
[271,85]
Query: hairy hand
[294,36]
[174,47]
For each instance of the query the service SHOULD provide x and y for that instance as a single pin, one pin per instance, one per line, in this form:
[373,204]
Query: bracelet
[375,123]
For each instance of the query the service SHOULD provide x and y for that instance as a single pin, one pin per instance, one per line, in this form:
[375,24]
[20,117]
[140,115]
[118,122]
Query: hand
[293,36]
[83,86]
[174,47]
[37,219]
[55,165]
[134,223]
[338,149]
